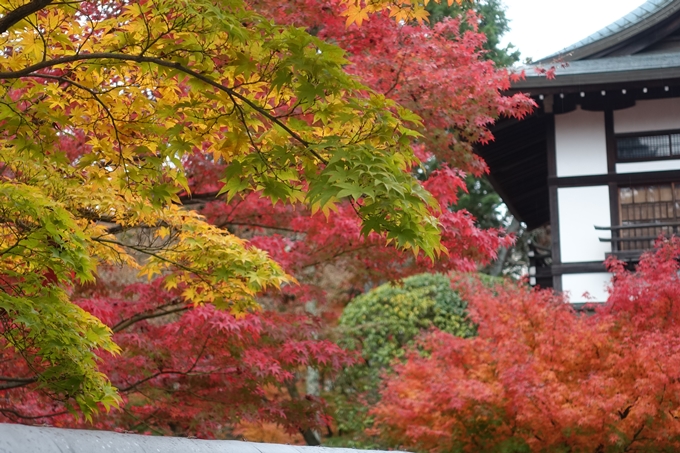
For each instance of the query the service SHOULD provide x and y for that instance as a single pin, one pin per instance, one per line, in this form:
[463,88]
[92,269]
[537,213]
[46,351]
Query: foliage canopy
[102,103]
[126,119]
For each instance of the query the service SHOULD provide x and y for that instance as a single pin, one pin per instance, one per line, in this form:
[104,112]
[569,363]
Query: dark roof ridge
[642,18]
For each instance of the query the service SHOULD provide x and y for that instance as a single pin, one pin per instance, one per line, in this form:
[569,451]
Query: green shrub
[382,324]
[384,320]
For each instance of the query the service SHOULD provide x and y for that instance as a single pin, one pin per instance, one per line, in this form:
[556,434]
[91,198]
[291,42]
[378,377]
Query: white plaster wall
[595,284]
[580,143]
[641,167]
[580,209]
[649,115]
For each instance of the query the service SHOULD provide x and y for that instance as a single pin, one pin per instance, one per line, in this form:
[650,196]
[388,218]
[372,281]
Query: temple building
[599,159]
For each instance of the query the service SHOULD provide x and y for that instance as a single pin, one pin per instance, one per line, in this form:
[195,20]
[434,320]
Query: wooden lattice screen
[645,205]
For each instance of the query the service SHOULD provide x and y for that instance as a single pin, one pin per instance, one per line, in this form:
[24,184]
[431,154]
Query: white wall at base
[641,167]
[580,143]
[579,210]
[649,115]
[595,284]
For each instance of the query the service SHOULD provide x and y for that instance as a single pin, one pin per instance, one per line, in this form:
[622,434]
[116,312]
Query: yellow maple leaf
[355,15]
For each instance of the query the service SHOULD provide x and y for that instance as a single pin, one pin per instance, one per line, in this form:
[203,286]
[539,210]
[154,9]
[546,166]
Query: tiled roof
[658,67]
[642,12]
[612,64]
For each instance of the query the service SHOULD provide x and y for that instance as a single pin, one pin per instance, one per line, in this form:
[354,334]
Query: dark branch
[14,379]
[148,378]
[11,382]
[15,16]
[171,372]
[29,417]
[150,253]
[256,225]
[623,414]
[162,311]
[199,196]
[635,437]
[310,436]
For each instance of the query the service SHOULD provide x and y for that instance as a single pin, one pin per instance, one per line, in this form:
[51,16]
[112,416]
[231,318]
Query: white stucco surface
[648,115]
[35,439]
[580,209]
[580,143]
[641,167]
[595,284]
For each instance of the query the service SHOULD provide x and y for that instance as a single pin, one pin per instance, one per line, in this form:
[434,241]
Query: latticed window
[648,211]
[648,147]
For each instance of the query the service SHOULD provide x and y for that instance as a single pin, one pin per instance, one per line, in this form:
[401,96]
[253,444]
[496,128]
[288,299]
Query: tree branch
[14,379]
[161,373]
[635,437]
[150,253]
[12,382]
[29,417]
[124,324]
[210,196]
[15,16]
[311,437]
[256,225]
[30,71]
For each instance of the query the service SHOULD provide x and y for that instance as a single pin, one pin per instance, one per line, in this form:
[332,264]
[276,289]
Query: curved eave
[610,43]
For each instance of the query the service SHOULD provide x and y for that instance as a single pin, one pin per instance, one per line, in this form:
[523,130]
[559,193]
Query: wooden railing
[629,241]
[540,262]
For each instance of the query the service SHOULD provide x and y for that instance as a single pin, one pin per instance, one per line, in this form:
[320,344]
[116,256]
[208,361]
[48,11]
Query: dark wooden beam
[621,179]
[554,212]
[611,168]
[578,268]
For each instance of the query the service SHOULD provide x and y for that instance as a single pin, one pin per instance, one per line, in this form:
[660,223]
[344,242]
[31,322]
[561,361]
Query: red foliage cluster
[543,377]
[437,72]
[186,370]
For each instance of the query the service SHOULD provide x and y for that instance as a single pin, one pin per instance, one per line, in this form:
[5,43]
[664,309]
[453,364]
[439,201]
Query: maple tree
[141,86]
[539,377]
[121,116]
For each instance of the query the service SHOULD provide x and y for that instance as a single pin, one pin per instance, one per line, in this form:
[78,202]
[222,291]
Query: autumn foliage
[184,178]
[540,377]
[186,370]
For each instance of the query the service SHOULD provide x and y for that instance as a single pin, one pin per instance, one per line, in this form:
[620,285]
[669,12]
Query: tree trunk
[312,382]
[311,437]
